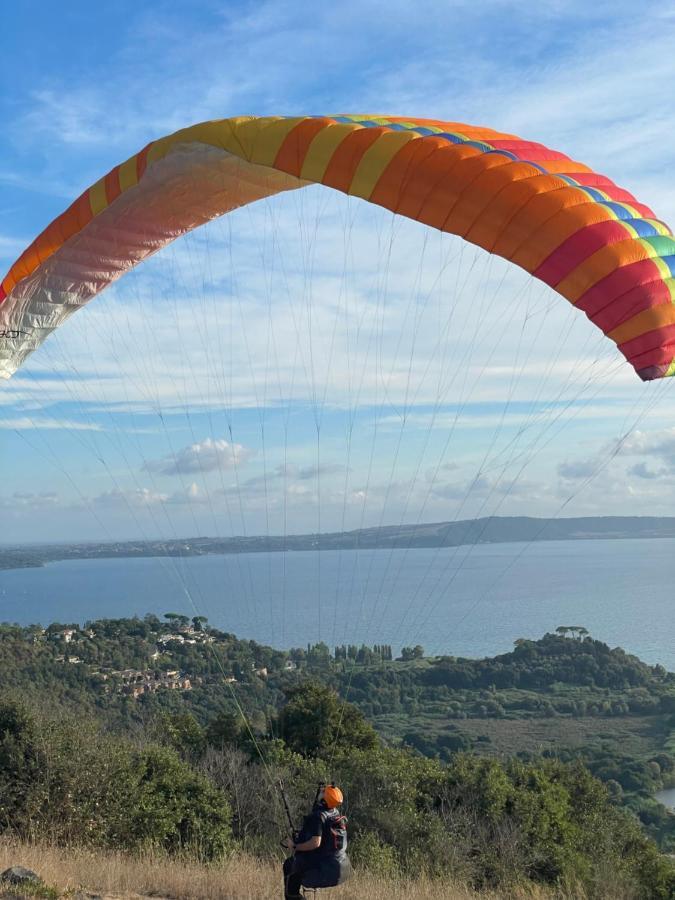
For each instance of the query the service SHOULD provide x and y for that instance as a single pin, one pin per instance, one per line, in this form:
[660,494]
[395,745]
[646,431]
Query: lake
[667,797]
[469,601]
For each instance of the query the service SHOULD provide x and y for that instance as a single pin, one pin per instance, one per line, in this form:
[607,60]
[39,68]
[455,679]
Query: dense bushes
[478,820]
[552,659]
[205,789]
[69,782]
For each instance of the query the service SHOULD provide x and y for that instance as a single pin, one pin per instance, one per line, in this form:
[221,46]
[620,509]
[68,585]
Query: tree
[20,763]
[177,618]
[182,732]
[224,729]
[314,720]
[318,655]
[578,630]
[175,808]
[416,652]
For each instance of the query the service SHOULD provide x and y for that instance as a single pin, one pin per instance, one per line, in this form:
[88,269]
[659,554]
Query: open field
[638,736]
[78,873]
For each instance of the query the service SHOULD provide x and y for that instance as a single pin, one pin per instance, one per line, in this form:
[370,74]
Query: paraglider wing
[575,230]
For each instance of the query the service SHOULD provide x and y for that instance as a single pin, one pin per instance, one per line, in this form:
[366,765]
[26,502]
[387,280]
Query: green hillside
[537,766]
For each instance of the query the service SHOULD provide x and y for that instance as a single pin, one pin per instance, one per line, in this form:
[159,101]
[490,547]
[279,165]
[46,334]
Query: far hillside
[489,530]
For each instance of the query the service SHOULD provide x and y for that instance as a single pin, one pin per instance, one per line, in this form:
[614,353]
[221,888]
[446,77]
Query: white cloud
[28,500]
[192,493]
[659,443]
[578,469]
[309,473]
[642,470]
[208,455]
[11,247]
[74,116]
[138,497]
[39,422]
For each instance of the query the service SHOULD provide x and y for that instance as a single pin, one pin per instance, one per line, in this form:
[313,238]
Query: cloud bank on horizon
[104,438]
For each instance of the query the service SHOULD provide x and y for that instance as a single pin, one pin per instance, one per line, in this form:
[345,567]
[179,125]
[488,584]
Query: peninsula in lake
[493,530]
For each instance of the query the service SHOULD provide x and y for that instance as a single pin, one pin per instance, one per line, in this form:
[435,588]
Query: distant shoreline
[494,530]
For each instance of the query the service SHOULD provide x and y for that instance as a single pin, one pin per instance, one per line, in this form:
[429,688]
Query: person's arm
[311,830]
[312,844]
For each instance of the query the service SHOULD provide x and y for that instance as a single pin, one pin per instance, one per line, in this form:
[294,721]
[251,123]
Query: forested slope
[126,734]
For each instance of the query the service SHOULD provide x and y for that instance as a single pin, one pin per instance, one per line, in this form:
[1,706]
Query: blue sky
[276,318]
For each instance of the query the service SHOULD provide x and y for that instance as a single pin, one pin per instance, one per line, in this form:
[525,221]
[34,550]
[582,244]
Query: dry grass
[241,878]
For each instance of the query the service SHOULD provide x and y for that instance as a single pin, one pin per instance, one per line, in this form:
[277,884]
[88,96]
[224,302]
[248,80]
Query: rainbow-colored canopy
[590,240]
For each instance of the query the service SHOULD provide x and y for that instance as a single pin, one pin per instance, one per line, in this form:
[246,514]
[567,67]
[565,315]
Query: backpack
[333,834]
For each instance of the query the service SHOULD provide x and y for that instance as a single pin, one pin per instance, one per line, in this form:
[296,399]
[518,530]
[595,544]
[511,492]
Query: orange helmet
[332,796]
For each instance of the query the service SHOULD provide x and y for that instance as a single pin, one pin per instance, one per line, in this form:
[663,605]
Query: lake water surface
[471,601]
[667,797]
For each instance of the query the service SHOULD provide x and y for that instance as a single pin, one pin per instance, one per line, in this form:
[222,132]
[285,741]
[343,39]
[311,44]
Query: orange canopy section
[588,239]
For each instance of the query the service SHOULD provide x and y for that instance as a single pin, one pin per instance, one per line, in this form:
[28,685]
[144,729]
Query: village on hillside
[159,674]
